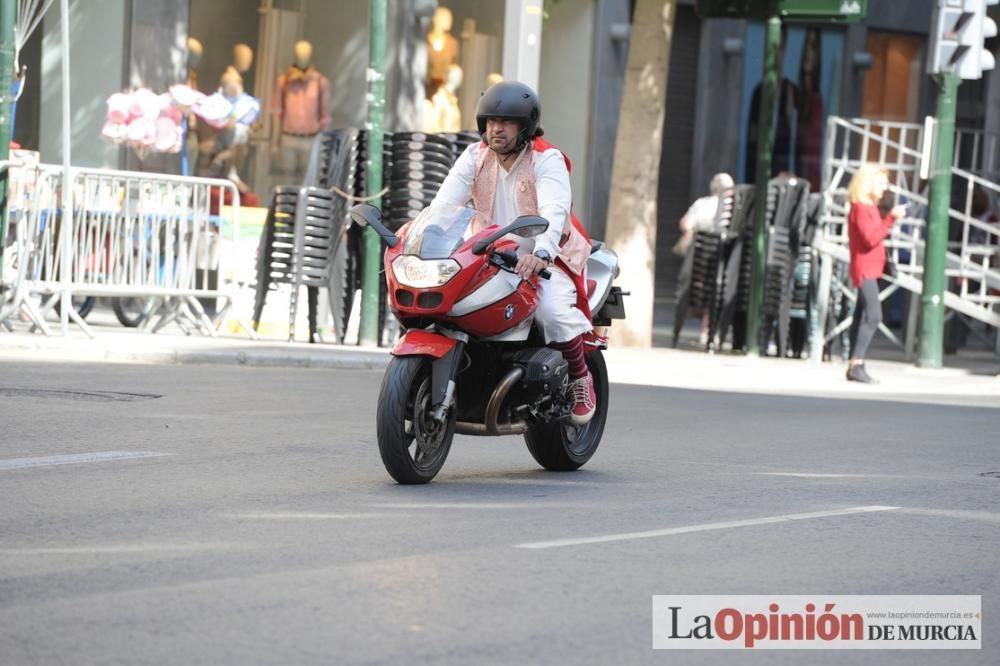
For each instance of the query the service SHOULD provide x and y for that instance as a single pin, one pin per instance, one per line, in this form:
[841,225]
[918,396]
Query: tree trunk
[631,224]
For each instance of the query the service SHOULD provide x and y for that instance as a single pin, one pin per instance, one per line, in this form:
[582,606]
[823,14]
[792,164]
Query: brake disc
[426,432]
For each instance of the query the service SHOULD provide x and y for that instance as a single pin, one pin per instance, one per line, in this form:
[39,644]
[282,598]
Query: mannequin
[301,110]
[242,60]
[194,53]
[443,106]
[442,47]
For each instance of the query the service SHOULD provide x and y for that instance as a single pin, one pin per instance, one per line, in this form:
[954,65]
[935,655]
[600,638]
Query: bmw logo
[509,312]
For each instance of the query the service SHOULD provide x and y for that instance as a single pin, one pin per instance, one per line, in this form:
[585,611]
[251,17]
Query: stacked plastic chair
[420,164]
[304,227]
[277,243]
[804,277]
[786,215]
[734,299]
[704,283]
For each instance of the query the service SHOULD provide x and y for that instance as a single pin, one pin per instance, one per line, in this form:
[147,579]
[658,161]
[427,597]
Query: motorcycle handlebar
[510,261]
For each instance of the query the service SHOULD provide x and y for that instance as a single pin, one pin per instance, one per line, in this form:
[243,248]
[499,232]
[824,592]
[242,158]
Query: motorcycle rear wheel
[412,445]
[561,447]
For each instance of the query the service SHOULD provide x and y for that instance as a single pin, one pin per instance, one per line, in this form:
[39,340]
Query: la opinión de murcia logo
[729,624]
[863,622]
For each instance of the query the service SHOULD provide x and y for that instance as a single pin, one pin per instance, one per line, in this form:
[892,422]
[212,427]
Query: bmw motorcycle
[470,361]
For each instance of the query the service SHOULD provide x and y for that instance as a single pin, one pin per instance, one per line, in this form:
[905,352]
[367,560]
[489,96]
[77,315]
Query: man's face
[502,134]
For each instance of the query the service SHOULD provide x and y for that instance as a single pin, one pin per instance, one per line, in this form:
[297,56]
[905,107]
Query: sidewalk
[977,384]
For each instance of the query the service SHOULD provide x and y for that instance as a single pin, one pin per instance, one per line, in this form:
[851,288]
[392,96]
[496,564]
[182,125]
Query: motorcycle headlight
[422,273]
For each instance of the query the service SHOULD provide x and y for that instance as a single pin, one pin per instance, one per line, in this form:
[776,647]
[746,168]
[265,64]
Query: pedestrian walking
[866,229]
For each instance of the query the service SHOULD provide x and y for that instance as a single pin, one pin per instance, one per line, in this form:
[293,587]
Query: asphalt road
[243,517]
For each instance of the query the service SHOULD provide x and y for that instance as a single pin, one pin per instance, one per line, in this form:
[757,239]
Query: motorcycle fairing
[417,342]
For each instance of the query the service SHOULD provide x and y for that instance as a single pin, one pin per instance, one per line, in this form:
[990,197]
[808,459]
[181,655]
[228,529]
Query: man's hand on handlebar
[528,265]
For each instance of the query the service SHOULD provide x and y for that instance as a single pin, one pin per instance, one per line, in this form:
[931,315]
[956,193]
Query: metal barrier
[156,237]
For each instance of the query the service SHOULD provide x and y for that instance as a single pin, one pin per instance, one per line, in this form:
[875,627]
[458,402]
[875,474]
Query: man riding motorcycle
[513,172]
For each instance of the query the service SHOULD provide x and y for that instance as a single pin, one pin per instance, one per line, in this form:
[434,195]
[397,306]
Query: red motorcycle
[470,361]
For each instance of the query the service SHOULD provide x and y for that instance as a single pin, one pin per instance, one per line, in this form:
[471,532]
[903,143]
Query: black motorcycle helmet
[512,101]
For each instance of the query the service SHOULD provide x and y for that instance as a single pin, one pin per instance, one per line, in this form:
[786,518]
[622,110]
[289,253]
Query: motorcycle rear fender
[416,342]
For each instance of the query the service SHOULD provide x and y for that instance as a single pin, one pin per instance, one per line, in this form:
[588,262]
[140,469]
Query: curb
[337,358]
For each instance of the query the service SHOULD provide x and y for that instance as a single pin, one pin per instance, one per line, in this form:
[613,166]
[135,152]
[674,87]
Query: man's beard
[511,146]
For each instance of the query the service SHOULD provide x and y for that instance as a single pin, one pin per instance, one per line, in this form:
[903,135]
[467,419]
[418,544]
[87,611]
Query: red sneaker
[584,400]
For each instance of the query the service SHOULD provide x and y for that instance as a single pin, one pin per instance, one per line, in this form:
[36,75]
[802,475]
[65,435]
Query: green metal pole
[371,285]
[7,17]
[765,139]
[936,242]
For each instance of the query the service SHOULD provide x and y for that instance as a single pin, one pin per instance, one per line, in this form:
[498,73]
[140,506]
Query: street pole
[370,283]
[765,138]
[936,241]
[7,18]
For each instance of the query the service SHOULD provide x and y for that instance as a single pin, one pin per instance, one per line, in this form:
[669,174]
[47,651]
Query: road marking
[475,505]
[77,459]
[309,516]
[119,549]
[982,516]
[814,475]
[704,527]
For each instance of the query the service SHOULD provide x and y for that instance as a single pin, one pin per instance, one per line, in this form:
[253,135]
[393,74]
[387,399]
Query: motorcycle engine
[544,373]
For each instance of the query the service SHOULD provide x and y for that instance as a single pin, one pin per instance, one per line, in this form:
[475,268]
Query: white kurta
[557,314]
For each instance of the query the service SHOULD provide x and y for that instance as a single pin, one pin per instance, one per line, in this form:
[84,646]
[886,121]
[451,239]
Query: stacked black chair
[420,164]
[735,290]
[804,278]
[277,243]
[305,224]
[702,285]
[309,239]
[317,232]
[786,216]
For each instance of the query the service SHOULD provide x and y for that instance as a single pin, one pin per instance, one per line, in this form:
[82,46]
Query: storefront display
[810,61]
[301,110]
[442,48]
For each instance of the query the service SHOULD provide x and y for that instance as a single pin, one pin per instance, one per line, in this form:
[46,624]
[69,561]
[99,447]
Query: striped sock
[572,351]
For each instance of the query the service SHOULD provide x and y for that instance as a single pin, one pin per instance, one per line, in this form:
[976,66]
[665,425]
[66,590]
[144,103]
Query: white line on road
[982,516]
[289,515]
[77,459]
[704,527]
[116,549]
[817,475]
[476,505]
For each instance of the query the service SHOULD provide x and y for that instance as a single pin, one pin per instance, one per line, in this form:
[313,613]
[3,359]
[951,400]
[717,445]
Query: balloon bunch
[149,122]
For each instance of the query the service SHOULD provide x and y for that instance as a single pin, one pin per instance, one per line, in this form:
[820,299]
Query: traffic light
[960,29]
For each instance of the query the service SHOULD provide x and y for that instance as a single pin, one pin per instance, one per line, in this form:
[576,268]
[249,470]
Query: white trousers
[557,314]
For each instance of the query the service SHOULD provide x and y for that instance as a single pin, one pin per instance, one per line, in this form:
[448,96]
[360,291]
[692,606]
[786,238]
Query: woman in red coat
[866,229]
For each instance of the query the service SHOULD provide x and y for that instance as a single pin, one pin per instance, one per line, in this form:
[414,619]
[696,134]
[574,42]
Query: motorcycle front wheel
[560,446]
[413,446]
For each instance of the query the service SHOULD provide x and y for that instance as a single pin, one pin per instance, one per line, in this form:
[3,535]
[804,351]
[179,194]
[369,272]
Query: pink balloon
[184,95]
[118,107]
[167,132]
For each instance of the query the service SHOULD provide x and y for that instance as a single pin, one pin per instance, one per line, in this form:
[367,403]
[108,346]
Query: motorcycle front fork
[443,373]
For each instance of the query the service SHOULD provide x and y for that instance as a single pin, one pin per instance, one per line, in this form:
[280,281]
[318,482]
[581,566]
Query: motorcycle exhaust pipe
[491,427]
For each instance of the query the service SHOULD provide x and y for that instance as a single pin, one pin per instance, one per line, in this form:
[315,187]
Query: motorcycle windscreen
[440,230]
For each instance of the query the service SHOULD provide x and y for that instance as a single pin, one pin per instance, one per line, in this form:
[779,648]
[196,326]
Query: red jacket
[865,233]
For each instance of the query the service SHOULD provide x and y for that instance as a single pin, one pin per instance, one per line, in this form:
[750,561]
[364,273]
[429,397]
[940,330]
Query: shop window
[463,58]
[811,63]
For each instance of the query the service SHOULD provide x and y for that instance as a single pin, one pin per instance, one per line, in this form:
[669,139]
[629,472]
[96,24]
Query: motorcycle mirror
[529,226]
[368,215]
[525,226]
